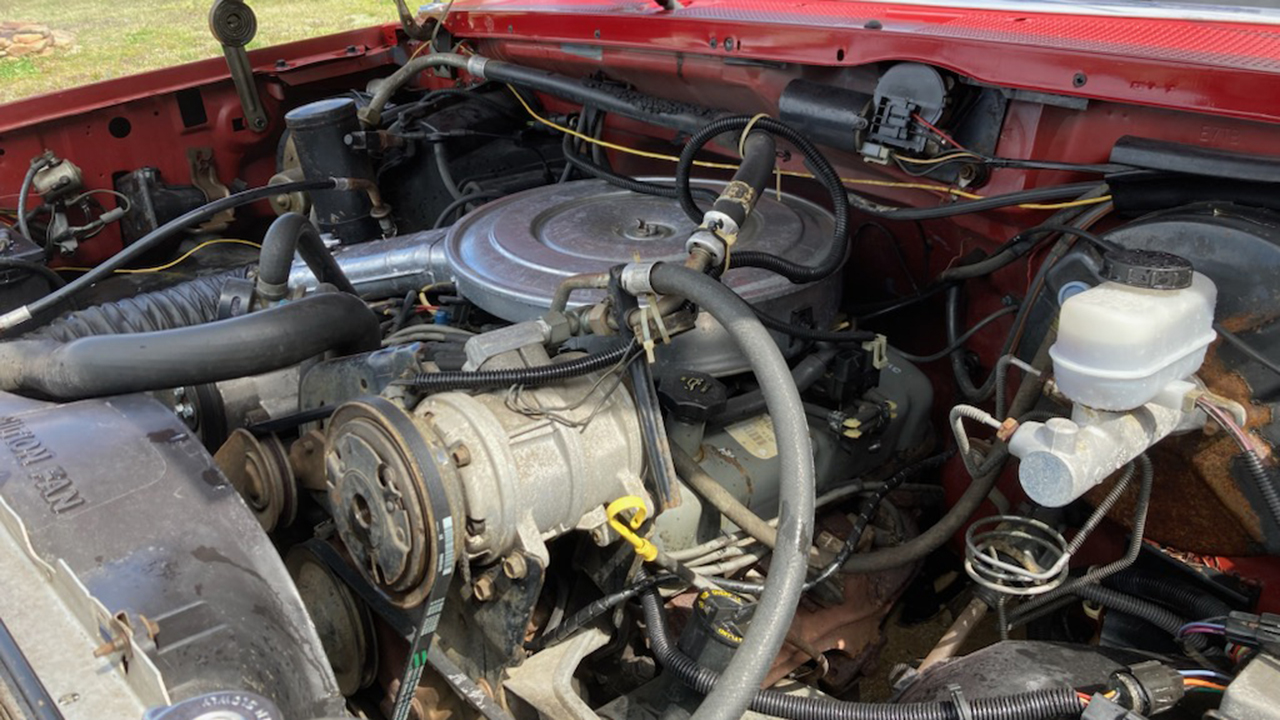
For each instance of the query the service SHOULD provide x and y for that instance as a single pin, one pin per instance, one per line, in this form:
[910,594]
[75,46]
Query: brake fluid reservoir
[1120,343]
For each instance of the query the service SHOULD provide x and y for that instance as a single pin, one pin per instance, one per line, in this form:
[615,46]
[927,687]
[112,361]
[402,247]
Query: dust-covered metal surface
[118,498]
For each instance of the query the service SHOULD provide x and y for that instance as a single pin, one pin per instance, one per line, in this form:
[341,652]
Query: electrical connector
[1260,631]
[1149,688]
[1101,708]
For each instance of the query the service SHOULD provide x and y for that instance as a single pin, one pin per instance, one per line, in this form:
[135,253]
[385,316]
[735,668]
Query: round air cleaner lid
[510,255]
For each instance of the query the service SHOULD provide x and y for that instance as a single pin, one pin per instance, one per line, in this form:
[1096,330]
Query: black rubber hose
[462,202]
[630,104]
[922,545]
[1196,604]
[587,615]
[136,362]
[1265,481]
[739,197]
[641,187]
[38,163]
[818,164]
[789,564]
[1036,195]
[1145,610]
[292,233]
[1038,705]
[51,277]
[38,311]
[841,337]
[750,404]
[433,382]
[194,302]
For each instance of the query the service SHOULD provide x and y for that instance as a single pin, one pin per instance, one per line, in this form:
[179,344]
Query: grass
[123,37]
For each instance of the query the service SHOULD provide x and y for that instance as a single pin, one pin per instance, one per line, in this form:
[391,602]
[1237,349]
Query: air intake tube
[136,362]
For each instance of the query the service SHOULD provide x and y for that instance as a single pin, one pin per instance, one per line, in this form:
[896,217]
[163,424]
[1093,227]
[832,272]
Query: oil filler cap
[1147,269]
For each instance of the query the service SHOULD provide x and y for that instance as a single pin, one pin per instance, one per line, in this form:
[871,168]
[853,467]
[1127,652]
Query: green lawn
[122,37]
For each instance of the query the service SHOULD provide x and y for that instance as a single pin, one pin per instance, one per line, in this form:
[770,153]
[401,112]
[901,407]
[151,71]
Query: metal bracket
[205,177]
[233,24]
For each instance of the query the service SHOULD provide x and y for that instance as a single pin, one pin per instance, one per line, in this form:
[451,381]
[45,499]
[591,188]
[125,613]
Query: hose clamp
[710,243]
[722,223]
[963,709]
[636,278]
[476,65]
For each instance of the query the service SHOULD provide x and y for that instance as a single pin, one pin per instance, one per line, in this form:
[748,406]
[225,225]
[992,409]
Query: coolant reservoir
[1120,343]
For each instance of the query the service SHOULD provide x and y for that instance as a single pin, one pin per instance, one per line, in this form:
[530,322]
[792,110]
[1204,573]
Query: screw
[713,43]
[475,527]
[515,567]
[597,33]
[1080,79]
[874,25]
[282,64]
[351,50]
[461,455]
[728,44]
[118,644]
[483,588]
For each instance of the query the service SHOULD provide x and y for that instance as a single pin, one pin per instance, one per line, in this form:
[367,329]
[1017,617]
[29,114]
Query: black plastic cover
[1147,269]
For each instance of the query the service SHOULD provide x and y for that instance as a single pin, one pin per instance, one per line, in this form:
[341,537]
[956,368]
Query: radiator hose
[194,302]
[1037,705]
[136,362]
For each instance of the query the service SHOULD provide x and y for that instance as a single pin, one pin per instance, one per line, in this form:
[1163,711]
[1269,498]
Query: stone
[46,52]
[5,43]
[18,51]
[62,38]
[29,38]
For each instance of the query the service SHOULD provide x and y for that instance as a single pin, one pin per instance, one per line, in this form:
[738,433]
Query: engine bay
[580,362]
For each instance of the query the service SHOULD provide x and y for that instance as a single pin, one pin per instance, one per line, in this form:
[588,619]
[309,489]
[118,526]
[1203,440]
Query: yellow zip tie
[742,139]
[657,320]
[645,312]
[645,549]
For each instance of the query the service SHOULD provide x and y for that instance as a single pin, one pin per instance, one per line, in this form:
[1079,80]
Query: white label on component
[756,436]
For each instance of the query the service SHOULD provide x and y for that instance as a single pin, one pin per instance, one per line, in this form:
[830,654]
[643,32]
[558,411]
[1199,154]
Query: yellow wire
[790,173]
[166,266]
[936,160]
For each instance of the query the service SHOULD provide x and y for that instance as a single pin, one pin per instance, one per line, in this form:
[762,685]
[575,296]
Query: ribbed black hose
[818,164]
[251,344]
[1145,610]
[1195,603]
[529,377]
[1038,705]
[38,311]
[588,167]
[190,303]
[1265,481]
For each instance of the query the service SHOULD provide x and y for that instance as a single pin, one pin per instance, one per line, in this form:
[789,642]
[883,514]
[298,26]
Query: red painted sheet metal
[1211,67]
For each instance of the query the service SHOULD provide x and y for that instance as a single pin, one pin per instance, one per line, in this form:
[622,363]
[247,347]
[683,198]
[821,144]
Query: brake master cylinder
[1125,355]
